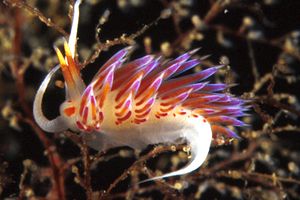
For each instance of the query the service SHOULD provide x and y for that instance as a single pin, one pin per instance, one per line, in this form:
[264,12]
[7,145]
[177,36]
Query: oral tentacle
[54,125]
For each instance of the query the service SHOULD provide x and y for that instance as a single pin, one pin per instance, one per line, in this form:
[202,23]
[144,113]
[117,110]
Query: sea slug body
[142,102]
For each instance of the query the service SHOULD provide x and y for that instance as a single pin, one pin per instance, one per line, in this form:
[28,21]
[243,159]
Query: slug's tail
[199,139]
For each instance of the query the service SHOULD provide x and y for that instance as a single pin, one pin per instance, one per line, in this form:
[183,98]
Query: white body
[195,130]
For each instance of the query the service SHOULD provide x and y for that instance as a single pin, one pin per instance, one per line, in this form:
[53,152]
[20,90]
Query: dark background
[270,42]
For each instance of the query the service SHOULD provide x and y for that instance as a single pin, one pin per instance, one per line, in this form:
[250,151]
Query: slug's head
[78,111]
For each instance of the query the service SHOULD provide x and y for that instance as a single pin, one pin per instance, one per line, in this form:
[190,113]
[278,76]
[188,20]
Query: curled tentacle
[54,125]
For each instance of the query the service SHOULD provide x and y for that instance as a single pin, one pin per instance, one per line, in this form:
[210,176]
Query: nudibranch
[142,102]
